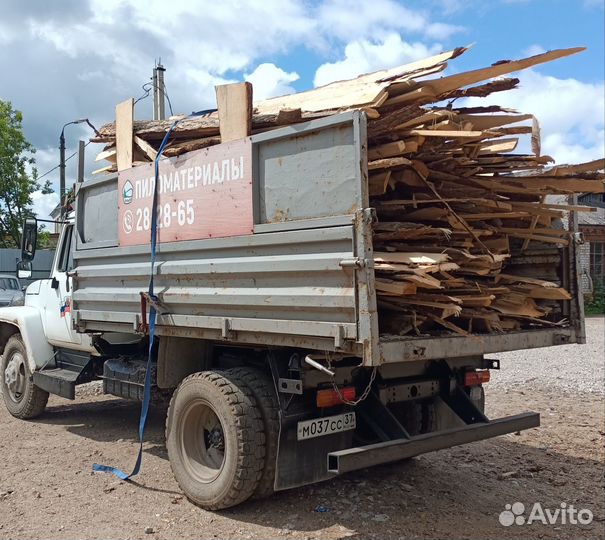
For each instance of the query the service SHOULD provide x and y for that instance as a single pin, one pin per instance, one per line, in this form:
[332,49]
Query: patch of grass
[595,305]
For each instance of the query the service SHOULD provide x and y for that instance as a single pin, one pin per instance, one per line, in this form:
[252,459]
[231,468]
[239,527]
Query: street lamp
[62,159]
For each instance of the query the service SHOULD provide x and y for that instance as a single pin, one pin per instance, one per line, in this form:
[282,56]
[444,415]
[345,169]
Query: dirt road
[47,489]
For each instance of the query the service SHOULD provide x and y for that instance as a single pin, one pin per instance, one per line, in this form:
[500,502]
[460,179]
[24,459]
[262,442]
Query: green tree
[16,185]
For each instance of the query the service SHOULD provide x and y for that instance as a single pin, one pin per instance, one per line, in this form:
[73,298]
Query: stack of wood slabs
[466,239]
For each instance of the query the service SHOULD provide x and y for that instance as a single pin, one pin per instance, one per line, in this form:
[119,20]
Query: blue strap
[152,317]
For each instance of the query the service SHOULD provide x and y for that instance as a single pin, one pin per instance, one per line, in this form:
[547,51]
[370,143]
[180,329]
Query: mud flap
[304,462]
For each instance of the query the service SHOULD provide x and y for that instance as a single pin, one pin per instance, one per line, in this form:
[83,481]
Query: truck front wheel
[215,439]
[22,397]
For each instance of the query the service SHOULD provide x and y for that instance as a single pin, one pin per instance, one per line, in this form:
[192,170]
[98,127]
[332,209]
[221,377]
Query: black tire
[215,439]
[263,389]
[22,397]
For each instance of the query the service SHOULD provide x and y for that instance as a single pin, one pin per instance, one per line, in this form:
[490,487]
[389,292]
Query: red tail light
[330,397]
[474,378]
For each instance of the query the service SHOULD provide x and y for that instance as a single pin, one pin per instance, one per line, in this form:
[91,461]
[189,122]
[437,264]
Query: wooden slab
[124,134]
[234,102]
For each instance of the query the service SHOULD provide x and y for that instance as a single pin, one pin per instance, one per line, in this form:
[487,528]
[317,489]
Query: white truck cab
[52,298]
[38,338]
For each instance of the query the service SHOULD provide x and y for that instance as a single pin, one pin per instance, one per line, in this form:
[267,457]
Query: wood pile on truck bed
[466,239]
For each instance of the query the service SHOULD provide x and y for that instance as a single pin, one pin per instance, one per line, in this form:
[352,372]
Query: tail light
[330,397]
[475,378]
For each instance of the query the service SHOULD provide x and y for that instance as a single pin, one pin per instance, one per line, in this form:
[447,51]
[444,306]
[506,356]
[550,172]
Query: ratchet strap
[153,302]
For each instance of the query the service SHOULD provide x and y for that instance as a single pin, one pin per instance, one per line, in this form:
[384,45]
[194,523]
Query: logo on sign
[127,192]
[128,221]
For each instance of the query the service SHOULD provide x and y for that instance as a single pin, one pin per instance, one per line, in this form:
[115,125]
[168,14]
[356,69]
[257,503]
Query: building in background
[592,252]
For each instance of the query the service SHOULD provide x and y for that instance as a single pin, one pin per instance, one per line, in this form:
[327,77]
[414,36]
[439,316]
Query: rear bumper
[352,459]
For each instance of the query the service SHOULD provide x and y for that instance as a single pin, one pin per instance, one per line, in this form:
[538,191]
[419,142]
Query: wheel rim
[202,441]
[15,377]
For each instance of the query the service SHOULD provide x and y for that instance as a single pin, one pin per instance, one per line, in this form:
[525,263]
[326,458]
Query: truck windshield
[9,283]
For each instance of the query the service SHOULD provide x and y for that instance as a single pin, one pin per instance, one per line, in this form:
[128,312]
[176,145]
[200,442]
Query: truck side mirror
[24,269]
[29,239]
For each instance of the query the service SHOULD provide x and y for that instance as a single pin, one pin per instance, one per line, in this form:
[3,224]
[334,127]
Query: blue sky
[78,58]
[501,30]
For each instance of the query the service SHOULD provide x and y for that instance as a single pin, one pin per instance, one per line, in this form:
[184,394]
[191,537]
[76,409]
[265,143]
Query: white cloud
[268,80]
[364,56]
[350,20]
[533,50]
[571,114]
[441,30]
[43,205]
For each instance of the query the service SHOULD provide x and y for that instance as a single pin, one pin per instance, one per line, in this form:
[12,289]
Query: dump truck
[266,338]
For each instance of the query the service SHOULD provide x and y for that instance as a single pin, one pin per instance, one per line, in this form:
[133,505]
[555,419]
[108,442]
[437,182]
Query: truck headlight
[17,301]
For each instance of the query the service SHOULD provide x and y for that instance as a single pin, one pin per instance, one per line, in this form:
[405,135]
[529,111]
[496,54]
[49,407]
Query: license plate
[325,426]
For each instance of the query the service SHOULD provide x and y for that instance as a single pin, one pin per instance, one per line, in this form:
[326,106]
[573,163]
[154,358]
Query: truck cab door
[57,293]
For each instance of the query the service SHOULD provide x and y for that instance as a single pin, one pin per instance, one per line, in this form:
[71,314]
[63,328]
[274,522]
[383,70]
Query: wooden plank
[124,134]
[388,163]
[570,170]
[447,324]
[394,287]
[410,257]
[149,150]
[498,146]
[449,134]
[367,90]
[387,150]
[460,80]
[379,182]
[109,155]
[106,169]
[483,122]
[428,118]
[234,102]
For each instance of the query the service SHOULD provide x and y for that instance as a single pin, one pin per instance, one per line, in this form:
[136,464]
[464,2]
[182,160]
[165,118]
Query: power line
[57,166]
[147,90]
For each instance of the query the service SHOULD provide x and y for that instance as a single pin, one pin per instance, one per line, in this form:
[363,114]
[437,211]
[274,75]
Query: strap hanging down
[152,318]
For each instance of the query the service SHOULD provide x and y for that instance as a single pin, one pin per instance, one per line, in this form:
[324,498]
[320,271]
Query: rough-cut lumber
[149,150]
[367,90]
[124,135]
[462,225]
[109,155]
[388,163]
[234,102]
[411,257]
[441,86]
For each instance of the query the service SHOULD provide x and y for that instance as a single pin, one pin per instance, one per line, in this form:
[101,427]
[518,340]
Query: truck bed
[303,278]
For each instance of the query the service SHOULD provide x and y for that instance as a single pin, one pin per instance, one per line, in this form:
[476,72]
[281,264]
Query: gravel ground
[573,368]
[47,489]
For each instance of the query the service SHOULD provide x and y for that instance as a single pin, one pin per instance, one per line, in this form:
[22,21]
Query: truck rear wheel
[263,389]
[215,439]
[22,397]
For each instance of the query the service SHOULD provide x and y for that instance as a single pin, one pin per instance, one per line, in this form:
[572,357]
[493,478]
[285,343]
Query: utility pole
[159,110]
[62,160]
[62,171]
[81,146]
